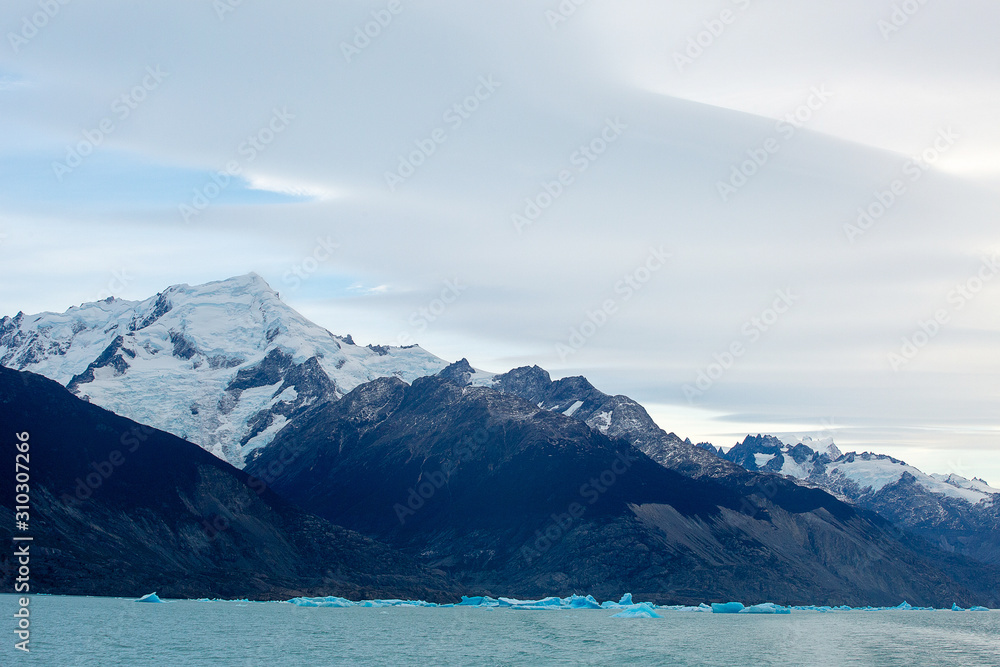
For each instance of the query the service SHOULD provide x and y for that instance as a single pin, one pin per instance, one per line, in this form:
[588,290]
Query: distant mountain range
[509,484]
[509,496]
[956,513]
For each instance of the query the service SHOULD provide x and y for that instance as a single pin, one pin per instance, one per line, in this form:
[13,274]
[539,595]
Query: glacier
[225,364]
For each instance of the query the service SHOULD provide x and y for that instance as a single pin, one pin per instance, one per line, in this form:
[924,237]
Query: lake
[112,631]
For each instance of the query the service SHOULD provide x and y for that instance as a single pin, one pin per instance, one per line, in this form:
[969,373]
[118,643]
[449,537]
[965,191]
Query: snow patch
[762,459]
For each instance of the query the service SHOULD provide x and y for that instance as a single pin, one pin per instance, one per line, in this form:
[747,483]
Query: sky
[752,217]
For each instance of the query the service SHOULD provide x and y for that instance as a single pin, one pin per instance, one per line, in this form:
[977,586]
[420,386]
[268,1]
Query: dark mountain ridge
[516,499]
[118,508]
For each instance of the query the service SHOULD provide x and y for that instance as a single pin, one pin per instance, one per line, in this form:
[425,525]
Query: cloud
[800,149]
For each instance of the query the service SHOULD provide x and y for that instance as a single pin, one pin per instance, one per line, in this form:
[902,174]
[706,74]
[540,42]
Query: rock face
[224,365]
[614,416]
[956,513]
[118,508]
[515,499]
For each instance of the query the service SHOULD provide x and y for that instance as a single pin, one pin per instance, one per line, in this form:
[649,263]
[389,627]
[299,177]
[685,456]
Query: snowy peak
[974,484]
[225,364]
[463,374]
[821,446]
[900,492]
[852,474]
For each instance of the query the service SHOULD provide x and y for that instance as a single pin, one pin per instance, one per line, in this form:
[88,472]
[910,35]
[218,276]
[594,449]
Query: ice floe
[625,606]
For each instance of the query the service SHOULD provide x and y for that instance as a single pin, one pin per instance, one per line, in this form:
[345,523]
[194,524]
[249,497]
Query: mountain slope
[518,500]
[118,508]
[956,513]
[224,365]
[614,416]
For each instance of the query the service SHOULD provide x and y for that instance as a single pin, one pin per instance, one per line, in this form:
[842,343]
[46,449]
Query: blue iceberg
[767,608]
[641,610]
[977,608]
[329,601]
[149,597]
[477,601]
[727,607]
[582,602]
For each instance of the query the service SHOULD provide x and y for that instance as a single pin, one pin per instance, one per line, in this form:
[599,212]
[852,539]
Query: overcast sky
[664,197]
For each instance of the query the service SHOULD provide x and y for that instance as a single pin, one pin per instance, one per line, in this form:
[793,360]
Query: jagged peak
[459,372]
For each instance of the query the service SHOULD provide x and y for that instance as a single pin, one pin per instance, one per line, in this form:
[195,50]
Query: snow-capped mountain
[225,364]
[958,513]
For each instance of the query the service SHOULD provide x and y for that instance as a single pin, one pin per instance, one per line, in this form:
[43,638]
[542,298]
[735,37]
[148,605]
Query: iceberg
[478,601]
[581,602]
[626,601]
[626,605]
[544,603]
[329,601]
[767,608]
[149,597]
[641,610]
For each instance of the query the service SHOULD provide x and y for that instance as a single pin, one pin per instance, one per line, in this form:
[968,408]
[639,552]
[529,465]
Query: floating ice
[627,607]
[329,601]
[582,602]
[149,597]
[641,610]
[478,601]
[767,608]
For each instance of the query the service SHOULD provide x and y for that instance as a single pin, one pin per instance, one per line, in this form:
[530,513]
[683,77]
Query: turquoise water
[110,631]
